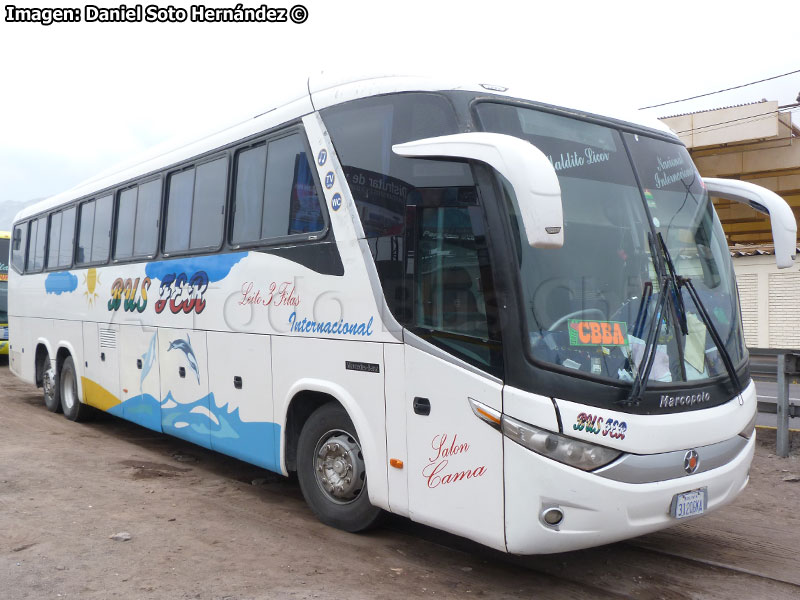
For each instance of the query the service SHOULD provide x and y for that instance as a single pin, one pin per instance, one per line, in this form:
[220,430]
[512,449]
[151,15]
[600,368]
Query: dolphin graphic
[185,346]
[148,358]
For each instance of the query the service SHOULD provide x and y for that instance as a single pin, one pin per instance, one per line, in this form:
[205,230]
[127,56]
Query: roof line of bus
[321,92]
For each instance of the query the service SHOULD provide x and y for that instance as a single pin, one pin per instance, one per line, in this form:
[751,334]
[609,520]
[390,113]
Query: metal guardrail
[785,365]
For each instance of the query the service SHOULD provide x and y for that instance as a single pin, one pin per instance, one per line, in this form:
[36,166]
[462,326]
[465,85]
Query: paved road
[767,391]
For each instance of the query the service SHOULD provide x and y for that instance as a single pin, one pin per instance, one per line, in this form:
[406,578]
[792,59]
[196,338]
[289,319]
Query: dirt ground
[206,526]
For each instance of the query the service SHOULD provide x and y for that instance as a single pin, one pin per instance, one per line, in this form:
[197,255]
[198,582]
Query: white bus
[514,321]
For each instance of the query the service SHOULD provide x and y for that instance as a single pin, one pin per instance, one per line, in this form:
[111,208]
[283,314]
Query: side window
[101,238]
[453,303]
[85,231]
[67,237]
[18,248]
[36,246]
[55,236]
[138,213]
[384,184]
[196,207]
[148,212]
[94,231]
[126,218]
[275,194]
[33,229]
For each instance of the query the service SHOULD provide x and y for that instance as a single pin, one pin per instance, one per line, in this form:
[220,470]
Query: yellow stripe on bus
[96,395]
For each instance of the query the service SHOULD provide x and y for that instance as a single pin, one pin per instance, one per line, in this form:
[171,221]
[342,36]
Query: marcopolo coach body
[510,320]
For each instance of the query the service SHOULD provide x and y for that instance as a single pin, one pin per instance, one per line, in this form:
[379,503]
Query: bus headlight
[569,451]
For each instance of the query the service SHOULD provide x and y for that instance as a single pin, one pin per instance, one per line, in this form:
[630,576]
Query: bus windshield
[4,246]
[591,305]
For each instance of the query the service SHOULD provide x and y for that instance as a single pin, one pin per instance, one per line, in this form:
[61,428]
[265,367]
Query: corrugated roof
[695,112]
[753,250]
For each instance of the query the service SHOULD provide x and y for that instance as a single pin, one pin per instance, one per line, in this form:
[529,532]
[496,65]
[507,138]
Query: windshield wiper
[673,282]
[721,348]
[677,297]
[649,352]
[678,281]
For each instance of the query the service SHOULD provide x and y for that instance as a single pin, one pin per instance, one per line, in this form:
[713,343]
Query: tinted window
[148,211]
[384,184]
[101,238]
[453,296]
[208,212]
[38,244]
[137,220]
[55,236]
[86,227]
[126,218]
[363,133]
[291,203]
[19,246]
[67,237]
[251,167]
[33,228]
[276,194]
[179,211]
[95,231]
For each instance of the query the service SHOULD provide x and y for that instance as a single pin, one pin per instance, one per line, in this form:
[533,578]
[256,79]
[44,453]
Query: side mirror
[529,171]
[784,225]
[17,238]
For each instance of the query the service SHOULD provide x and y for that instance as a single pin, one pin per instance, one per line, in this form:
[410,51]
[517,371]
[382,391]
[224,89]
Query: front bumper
[599,510]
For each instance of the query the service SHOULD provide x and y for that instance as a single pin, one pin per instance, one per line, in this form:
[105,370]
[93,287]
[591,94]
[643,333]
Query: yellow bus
[5,237]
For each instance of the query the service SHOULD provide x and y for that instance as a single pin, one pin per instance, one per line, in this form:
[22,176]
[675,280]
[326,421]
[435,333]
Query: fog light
[552,516]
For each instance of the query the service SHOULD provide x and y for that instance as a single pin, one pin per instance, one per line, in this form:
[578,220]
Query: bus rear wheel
[50,386]
[73,408]
[331,471]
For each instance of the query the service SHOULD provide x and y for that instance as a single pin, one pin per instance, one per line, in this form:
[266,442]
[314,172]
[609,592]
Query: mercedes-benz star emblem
[691,461]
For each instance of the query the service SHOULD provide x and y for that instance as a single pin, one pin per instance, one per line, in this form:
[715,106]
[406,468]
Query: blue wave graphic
[204,423]
[58,283]
[143,409]
[216,266]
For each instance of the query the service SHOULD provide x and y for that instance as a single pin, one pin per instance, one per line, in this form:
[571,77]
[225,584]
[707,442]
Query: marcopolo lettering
[668,401]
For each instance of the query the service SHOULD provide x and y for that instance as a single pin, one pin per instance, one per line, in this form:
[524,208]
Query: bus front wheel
[331,471]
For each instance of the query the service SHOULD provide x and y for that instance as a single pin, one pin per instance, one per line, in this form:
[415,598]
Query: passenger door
[455,459]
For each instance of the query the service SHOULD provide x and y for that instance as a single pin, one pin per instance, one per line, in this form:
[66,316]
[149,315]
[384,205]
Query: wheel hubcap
[49,382]
[339,466]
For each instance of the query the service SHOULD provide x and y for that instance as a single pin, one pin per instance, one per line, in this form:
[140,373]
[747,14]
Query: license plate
[3,333]
[689,504]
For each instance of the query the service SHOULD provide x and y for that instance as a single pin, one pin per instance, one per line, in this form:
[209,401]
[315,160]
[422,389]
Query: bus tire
[331,472]
[52,399]
[73,408]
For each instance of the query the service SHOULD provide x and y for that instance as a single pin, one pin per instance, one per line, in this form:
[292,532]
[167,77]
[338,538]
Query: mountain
[9,209]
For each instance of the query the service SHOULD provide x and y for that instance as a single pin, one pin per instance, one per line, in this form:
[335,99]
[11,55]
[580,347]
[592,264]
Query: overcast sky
[76,98]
